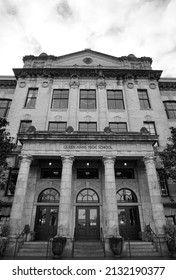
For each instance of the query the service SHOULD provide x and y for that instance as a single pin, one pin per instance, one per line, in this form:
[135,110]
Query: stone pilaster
[155,195]
[112,225]
[65,197]
[17,212]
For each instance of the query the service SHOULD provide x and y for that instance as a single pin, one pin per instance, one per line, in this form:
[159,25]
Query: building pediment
[87,58]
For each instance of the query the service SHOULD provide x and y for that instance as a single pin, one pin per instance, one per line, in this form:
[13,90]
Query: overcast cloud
[115,27]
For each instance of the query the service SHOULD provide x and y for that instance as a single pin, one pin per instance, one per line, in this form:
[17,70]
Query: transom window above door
[126,195]
[87,196]
[87,99]
[49,195]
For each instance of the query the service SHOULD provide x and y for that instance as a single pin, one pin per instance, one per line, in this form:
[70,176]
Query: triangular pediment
[87,58]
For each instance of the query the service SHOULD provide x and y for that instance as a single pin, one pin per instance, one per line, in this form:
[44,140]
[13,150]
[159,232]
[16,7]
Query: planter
[116,245]
[58,245]
[3,244]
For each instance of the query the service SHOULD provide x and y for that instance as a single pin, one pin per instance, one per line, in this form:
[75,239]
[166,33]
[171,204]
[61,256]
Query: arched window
[86,196]
[49,195]
[125,196]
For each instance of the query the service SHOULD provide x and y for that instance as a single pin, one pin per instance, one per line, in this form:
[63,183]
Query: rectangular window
[12,179]
[124,173]
[87,173]
[31,98]
[57,126]
[118,126]
[115,99]
[60,99]
[143,99]
[24,126]
[51,173]
[170,107]
[87,99]
[88,126]
[163,182]
[150,127]
[4,107]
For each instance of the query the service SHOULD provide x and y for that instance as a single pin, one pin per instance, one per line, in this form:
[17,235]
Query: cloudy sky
[115,27]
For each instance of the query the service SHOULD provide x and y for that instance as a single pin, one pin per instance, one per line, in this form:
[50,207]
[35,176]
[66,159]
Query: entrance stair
[88,250]
[140,250]
[32,250]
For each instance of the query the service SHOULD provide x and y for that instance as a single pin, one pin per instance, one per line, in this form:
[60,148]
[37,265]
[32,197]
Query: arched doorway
[47,214]
[87,215]
[128,213]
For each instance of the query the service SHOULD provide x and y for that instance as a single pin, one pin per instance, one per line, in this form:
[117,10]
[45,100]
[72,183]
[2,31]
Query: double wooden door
[87,223]
[46,222]
[129,223]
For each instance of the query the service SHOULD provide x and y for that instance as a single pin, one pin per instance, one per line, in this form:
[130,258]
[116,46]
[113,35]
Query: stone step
[88,250]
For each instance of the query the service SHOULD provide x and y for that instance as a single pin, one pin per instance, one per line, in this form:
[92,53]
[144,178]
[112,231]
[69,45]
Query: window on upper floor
[88,126]
[11,182]
[87,99]
[60,99]
[115,99]
[4,107]
[87,173]
[57,126]
[24,126]
[170,107]
[118,126]
[150,127]
[163,182]
[51,173]
[143,99]
[124,173]
[31,98]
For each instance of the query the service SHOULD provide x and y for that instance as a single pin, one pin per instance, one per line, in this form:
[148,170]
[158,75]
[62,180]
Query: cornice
[167,85]
[80,136]
[86,73]
[8,84]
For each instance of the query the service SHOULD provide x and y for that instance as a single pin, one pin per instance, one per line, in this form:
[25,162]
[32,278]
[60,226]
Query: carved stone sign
[84,147]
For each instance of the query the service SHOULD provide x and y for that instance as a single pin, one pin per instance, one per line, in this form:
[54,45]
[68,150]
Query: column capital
[109,159]
[67,159]
[26,158]
[149,159]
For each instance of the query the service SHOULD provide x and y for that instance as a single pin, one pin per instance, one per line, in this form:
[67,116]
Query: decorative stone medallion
[87,60]
[152,86]
[130,85]
[45,84]
[22,84]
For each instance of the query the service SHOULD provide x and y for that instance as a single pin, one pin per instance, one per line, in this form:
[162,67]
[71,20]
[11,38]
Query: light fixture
[125,163]
[87,163]
[50,163]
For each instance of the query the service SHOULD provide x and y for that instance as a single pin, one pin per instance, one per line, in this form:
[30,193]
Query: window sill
[58,110]
[28,108]
[146,109]
[87,110]
[116,110]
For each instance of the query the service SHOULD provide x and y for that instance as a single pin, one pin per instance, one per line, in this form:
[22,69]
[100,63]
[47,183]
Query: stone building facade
[87,127]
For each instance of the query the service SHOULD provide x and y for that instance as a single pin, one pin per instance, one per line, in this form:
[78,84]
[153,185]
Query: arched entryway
[128,213]
[87,215]
[47,214]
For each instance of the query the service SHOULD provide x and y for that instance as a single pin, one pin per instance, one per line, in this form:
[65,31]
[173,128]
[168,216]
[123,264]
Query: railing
[73,242]
[153,237]
[128,240]
[20,238]
[49,243]
[103,241]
